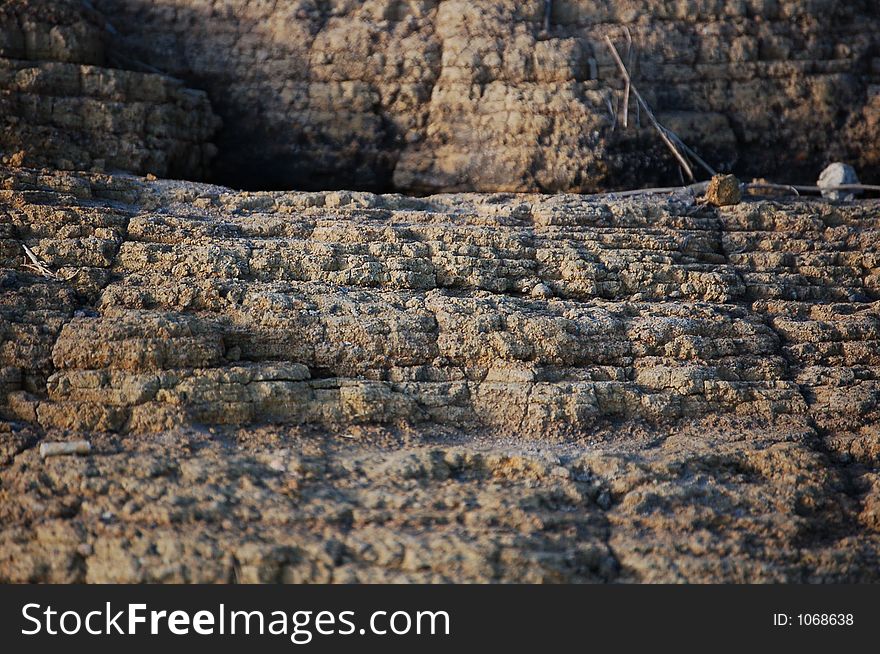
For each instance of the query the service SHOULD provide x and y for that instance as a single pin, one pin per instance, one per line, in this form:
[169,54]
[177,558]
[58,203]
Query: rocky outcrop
[430,95]
[65,107]
[341,386]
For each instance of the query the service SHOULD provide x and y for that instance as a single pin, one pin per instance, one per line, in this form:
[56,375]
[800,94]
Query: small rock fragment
[838,174]
[62,449]
[542,290]
[724,191]
[278,465]
[16,159]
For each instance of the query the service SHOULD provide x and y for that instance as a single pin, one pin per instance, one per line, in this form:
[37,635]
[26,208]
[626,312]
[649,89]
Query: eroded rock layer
[341,386]
[65,102]
[499,95]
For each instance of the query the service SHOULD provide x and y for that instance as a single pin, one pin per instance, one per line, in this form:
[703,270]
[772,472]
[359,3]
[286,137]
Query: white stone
[62,449]
[838,174]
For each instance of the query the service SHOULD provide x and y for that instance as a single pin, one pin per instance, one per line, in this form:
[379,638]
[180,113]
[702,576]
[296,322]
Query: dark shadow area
[304,165]
[284,173]
[282,128]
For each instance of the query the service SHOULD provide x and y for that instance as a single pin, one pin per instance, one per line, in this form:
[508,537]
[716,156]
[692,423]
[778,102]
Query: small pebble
[85,313]
[278,465]
[542,290]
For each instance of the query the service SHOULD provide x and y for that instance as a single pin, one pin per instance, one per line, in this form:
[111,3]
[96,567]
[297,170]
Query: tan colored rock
[434,95]
[65,107]
[463,95]
[347,387]
[723,191]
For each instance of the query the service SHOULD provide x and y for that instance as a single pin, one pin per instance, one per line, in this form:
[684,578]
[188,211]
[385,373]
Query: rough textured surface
[430,95]
[341,386]
[723,191]
[65,104]
[437,95]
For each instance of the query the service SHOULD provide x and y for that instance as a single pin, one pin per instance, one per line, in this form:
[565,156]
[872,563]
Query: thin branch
[616,107]
[693,155]
[700,187]
[629,48]
[638,115]
[660,129]
[611,112]
[42,269]
[797,188]
[841,187]
[36,264]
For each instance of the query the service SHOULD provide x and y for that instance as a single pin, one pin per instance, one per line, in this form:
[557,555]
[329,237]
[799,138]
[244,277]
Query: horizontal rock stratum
[341,386]
[68,103]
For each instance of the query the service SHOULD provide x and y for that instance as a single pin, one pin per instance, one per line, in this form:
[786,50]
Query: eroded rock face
[341,386]
[66,103]
[429,95]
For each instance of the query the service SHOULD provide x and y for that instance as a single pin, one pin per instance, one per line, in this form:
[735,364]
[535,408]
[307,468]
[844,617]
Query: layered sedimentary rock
[341,386]
[65,102]
[428,95]
[497,95]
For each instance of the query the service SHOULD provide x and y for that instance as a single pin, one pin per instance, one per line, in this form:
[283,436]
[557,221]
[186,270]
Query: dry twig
[37,265]
[700,187]
[842,187]
[629,52]
[693,155]
[42,269]
[611,112]
[660,129]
